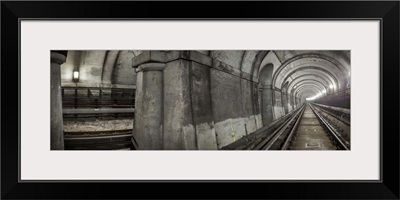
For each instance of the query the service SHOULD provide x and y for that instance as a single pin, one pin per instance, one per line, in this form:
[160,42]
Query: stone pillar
[291,104]
[188,119]
[285,103]
[173,101]
[179,130]
[277,104]
[266,105]
[56,117]
[149,106]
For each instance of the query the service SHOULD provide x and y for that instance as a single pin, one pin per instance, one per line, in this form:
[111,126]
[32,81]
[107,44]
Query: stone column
[179,130]
[285,103]
[56,117]
[289,106]
[149,106]
[188,119]
[290,102]
[173,101]
[267,105]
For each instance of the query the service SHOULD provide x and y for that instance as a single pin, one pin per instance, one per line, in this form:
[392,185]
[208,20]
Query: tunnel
[200,100]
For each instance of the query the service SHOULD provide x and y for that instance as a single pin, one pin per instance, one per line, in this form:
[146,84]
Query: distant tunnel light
[316,96]
[76,76]
[311,98]
[331,86]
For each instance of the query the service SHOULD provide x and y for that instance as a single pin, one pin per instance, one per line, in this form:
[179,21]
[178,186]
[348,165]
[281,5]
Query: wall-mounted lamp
[76,76]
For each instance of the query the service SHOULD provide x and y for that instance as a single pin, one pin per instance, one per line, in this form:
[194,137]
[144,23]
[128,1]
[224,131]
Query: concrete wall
[267,106]
[89,64]
[231,100]
[178,126]
[204,106]
[92,68]
[123,73]
[278,108]
[284,100]
[290,103]
[230,57]
[148,109]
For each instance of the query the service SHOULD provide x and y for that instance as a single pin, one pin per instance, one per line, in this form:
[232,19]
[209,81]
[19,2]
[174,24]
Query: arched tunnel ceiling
[312,71]
[320,74]
[302,66]
[309,82]
[308,77]
[100,67]
[248,61]
[232,58]
[306,90]
[341,57]
[327,68]
[325,61]
[308,93]
[301,88]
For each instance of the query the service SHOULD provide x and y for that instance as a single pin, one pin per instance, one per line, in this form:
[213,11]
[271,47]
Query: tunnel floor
[310,135]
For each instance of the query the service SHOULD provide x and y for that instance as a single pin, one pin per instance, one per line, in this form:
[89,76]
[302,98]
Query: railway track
[98,140]
[315,132]
[311,127]
[89,104]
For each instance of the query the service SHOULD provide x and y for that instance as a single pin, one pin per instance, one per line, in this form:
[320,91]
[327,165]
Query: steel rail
[98,137]
[342,142]
[343,110]
[98,132]
[97,110]
[324,109]
[285,145]
[261,145]
[271,142]
[259,135]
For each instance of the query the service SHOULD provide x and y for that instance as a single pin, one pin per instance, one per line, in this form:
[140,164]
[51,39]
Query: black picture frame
[386,11]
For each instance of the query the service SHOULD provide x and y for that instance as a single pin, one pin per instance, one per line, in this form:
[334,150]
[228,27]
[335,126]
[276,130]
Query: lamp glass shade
[76,75]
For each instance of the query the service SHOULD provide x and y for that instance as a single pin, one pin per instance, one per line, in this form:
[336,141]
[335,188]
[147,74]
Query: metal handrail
[97,96]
